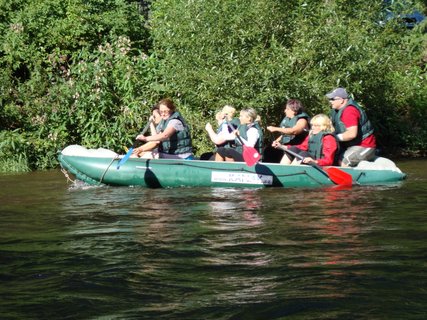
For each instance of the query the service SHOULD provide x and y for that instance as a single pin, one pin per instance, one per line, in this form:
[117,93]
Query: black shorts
[230,153]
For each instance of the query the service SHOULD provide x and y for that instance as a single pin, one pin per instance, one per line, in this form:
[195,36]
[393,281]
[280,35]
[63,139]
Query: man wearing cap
[352,128]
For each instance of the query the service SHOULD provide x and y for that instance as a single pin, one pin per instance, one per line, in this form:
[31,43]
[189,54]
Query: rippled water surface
[74,252]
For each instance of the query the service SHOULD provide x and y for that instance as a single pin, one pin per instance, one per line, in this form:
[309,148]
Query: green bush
[261,53]
[87,72]
[111,94]
[71,71]
[13,151]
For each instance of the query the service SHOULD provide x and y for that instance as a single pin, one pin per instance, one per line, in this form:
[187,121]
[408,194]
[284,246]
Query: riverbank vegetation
[87,72]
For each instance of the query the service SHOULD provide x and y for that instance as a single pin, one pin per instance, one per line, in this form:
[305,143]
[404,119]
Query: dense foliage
[71,72]
[86,72]
[260,53]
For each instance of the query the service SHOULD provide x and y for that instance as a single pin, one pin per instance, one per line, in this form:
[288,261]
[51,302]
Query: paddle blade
[125,158]
[250,155]
[339,176]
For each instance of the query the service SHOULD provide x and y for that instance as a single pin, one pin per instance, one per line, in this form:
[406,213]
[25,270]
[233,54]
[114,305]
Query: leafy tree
[42,47]
[260,53]
[87,72]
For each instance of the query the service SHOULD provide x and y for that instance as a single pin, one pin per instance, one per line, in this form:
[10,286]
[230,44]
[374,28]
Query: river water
[74,252]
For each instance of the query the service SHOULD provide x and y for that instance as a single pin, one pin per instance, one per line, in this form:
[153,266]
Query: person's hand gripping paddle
[129,153]
[336,175]
[250,154]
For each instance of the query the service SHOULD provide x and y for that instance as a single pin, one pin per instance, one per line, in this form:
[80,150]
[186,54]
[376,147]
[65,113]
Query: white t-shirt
[252,133]
[253,136]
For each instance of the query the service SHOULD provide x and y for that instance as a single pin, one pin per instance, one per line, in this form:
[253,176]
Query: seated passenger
[294,126]
[173,133]
[149,149]
[354,131]
[320,146]
[250,133]
[227,123]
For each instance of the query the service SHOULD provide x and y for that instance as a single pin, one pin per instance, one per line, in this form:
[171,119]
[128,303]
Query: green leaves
[260,53]
[87,72]
[58,86]
[106,87]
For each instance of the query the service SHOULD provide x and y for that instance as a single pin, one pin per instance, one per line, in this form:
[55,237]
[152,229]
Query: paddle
[336,175]
[250,154]
[128,154]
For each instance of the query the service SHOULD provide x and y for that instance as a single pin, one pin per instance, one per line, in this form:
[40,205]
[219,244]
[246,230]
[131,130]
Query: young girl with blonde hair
[320,146]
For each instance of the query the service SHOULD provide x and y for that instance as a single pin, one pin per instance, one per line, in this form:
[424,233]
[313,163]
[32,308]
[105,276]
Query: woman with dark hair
[294,127]
[173,133]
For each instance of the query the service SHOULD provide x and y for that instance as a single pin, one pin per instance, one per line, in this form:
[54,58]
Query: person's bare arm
[349,134]
[215,138]
[169,131]
[152,128]
[298,128]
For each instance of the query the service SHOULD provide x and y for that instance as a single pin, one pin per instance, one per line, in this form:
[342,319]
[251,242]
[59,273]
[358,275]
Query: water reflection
[329,221]
[233,237]
[194,253]
[244,205]
[202,235]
